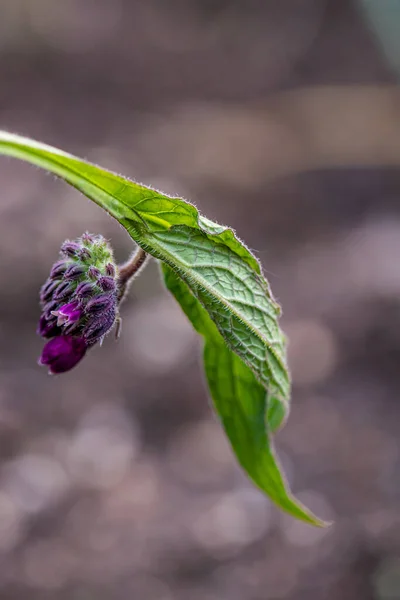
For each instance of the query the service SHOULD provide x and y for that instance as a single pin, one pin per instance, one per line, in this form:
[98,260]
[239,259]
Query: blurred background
[281,119]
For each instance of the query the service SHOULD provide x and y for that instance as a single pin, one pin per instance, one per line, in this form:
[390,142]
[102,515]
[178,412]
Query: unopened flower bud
[106,283]
[74,271]
[99,303]
[100,324]
[70,249]
[110,269]
[47,328]
[85,289]
[94,273]
[49,307]
[64,290]
[62,353]
[47,290]
[59,269]
[88,239]
[85,255]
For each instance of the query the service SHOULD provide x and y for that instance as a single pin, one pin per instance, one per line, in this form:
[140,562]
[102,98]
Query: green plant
[220,287]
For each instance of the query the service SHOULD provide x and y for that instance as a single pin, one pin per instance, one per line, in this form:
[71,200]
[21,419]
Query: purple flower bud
[88,239]
[107,284]
[70,249]
[62,353]
[47,290]
[84,254]
[74,271]
[85,289]
[110,269]
[94,273]
[47,328]
[64,290]
[99,325]
[49,307]
[68,313]
[100,303]
[58,269]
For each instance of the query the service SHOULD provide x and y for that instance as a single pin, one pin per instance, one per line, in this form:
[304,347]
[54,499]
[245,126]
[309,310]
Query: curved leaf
[241,403]
[239,316]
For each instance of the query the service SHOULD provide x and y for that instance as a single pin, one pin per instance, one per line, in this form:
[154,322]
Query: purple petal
[62,353]
[68,313]
[71,310]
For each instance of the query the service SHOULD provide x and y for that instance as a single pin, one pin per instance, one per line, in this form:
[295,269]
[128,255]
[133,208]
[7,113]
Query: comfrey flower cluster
[79,302]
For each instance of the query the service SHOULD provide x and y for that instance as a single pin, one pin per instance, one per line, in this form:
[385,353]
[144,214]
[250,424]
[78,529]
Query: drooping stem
[128,271]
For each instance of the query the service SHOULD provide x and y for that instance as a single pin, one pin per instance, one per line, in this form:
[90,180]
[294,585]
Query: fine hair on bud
[79,301]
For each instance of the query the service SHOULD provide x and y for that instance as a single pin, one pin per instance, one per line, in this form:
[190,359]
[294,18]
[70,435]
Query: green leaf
[225,282]
[241,403]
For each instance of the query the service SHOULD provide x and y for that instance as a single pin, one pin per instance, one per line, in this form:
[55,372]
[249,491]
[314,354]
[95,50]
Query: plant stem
[129,270]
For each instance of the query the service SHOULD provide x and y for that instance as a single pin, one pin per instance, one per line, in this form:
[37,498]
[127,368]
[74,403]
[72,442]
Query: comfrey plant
[216,280]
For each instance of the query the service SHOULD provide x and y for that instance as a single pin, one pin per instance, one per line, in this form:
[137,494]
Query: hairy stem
[129,270]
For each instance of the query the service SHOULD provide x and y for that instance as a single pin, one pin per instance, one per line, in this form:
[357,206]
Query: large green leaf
[241,403]
[224,278]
